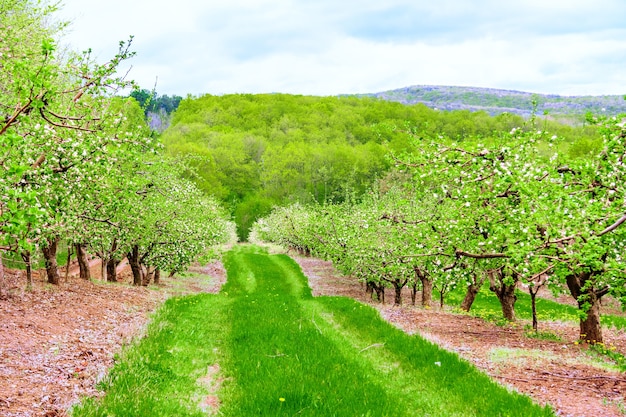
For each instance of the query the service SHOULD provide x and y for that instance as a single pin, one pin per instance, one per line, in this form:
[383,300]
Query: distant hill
[494,101]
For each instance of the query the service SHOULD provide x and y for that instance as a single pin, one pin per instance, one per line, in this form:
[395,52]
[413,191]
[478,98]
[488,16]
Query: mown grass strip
[278,362]
[290,354]
[429,378]
[157,376]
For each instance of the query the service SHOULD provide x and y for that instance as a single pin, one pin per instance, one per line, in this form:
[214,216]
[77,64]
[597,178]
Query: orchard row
[506,210]
[78,163]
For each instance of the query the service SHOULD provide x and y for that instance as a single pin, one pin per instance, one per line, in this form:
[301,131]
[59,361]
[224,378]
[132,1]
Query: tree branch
[481,255]
[613,226]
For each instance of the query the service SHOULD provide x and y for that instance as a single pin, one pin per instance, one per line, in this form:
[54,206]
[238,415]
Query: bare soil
[561,373]
[57,342]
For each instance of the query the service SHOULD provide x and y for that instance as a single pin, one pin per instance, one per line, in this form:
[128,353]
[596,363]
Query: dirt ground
[56,343]
[561,373]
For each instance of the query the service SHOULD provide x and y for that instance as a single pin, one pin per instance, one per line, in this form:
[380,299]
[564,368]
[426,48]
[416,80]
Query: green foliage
[609,352]
[305,149]
[150,101]
[510,207]
[78,161]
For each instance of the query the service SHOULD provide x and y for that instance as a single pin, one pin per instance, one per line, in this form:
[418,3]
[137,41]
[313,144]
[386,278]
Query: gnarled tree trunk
[112,269]
[413,292]
[148,275]
[398,284]
[470,296]
[135,267]
[50,257]
[427,286]
[472,290]
[29,269]
[83,263]
[112,263]
[505,292]
[587,297]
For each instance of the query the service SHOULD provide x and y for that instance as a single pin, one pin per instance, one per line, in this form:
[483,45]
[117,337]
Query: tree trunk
[103,268]
[149,273]
[505,292]
[133,261]
[427,292]
[427,287]
[397,286]
[413,292]
[2,284]
[472,290]
[380,292]
[111,266]
[29,269]
[470,296]
[83,263]
[50,256]
[590,326]
[533,306]
[68,262]
[442,294]
[587,297]
[157,276]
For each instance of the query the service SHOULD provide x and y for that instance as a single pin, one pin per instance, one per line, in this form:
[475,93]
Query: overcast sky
[329,47]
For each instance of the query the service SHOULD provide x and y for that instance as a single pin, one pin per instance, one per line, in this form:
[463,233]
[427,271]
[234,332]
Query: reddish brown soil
[57,342]
[562,374]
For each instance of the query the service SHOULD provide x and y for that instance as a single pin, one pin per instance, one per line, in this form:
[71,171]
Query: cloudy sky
[329,47]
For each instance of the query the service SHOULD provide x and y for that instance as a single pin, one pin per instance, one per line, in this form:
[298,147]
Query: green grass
[282,352]
[13,260]
[158,375]
[488,307]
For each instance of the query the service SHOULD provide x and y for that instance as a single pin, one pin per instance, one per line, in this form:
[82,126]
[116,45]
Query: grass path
[282,352]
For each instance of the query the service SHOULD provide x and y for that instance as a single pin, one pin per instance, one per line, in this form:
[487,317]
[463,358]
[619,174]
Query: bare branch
[613,226]
[63,126]
[481,255]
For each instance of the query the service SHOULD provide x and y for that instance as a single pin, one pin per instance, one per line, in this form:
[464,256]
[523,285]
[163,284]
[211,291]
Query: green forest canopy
[256,151]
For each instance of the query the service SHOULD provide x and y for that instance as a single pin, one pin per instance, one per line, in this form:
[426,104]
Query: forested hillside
[256,151]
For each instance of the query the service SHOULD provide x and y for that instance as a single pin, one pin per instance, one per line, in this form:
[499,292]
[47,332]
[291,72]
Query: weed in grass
[609,352]
[541,334]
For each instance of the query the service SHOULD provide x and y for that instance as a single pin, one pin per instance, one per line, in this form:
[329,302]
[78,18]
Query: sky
[331,47]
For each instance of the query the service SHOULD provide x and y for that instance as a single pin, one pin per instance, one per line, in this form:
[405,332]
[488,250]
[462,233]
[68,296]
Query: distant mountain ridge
[495,101]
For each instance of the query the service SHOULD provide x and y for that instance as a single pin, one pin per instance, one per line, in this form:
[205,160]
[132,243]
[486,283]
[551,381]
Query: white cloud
[328,47]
